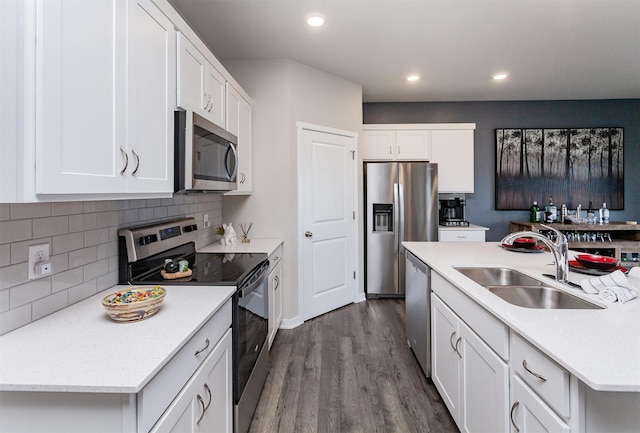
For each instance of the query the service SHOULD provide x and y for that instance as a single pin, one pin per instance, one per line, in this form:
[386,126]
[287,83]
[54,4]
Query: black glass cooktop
[207,268]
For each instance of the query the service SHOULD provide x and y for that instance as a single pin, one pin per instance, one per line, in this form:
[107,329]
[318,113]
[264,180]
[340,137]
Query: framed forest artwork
[572,165]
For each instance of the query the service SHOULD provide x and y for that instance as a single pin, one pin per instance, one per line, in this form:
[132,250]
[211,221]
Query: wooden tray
[174,275]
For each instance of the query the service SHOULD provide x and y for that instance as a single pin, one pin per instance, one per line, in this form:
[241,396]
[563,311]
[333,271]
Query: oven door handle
[262,275]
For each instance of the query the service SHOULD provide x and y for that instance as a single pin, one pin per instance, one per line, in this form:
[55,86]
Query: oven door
[251,326]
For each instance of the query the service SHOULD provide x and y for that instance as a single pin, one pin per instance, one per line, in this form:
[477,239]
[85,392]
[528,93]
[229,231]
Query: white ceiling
[552,49]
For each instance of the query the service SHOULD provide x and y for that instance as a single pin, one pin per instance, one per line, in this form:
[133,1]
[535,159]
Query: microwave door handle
[231,148]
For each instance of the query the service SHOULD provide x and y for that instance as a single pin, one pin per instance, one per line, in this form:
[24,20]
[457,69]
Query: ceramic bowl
[524,243]
[593,261]
[134,303]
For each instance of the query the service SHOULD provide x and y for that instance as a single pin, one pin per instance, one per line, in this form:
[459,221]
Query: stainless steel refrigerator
[401,204]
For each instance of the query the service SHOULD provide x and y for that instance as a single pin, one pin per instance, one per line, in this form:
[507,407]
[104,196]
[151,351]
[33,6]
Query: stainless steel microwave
[206,158]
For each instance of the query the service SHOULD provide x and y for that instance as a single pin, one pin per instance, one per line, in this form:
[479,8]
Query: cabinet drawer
[275,258]
[553,387]
[461,235]
[162,389]
[491,330]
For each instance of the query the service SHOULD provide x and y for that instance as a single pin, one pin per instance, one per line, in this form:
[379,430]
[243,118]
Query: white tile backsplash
[84,248]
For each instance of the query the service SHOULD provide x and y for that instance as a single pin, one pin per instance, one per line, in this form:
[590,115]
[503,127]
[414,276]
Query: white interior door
[328,226]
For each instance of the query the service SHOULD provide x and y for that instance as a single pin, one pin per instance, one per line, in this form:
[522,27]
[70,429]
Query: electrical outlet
[206,221]
[39,264]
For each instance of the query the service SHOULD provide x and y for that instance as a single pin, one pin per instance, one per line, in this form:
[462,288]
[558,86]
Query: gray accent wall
[489,116]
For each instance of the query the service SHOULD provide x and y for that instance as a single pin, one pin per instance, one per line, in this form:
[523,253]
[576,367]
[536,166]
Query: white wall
[285,92]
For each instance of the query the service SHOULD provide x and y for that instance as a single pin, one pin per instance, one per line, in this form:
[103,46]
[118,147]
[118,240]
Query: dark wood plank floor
[349,370]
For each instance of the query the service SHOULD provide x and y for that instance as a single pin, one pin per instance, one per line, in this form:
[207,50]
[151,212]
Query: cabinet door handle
[206,346]
[206,388]
[203,409]
[458,342]
[390,150]
[513,408]
[137,162]
[206,105]
[277,279]
[126,160]
[451,341]
[210,105]
[539,376]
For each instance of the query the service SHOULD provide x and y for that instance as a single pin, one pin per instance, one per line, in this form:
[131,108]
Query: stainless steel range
[142,254]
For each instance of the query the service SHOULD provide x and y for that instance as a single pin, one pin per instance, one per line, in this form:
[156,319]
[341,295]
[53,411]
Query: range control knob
[190,228]
[146,240]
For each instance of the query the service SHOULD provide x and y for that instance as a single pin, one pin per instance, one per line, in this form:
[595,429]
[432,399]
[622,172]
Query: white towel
[611,287]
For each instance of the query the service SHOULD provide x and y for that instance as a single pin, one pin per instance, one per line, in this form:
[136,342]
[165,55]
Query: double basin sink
[522,290]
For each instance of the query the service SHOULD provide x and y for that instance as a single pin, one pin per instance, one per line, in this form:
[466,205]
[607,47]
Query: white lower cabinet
[275,293]
[192,392]
[461,235]
[529,413]
[205,403]
[472,379]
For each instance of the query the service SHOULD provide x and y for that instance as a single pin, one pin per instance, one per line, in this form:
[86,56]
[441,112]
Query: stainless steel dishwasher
[418,310]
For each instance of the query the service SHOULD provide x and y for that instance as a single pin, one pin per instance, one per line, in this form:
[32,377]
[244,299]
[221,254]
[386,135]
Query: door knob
[308,234]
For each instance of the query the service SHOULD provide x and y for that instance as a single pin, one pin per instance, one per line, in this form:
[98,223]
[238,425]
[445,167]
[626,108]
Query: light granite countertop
[601,347]
[80,349]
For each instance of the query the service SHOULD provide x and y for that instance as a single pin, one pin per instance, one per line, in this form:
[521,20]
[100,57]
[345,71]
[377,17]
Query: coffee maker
[452,213]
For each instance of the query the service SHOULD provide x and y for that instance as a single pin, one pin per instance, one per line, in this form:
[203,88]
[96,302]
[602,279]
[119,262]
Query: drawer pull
[458,342]
[513,408]
[206,346]
[206,388]
[539,376]
[203,409]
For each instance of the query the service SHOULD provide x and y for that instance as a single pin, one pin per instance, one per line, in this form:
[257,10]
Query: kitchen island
[596,351]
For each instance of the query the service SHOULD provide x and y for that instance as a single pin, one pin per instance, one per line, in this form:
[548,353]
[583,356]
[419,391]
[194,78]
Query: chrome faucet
[559,248]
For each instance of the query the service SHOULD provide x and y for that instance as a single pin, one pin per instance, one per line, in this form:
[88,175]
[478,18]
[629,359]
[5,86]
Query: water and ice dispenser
[383,217]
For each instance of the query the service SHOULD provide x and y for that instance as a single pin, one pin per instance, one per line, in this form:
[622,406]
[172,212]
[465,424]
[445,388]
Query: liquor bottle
[553,211]
[591,216]
[605,214]
[533,213]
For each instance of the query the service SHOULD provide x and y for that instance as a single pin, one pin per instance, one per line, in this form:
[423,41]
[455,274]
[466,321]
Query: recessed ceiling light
[315,19]
[500,76]
[413,77]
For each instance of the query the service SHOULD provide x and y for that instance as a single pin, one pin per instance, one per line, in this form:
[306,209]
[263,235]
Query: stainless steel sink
[499,277]
[522,290]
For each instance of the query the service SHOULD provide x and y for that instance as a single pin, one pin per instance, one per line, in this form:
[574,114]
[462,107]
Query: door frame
[300,128]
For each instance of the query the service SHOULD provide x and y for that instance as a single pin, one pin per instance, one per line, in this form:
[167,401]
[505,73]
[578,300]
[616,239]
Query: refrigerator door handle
[401,211]
[396,189]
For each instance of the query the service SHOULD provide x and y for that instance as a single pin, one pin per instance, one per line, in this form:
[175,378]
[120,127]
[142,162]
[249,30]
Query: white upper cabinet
[396,145]
[450,145]
[201,88]
[104,100]
[151,100]
[452,150]
[240,124]
[413,145]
